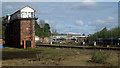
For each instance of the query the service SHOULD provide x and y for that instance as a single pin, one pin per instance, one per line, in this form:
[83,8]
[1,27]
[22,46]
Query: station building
[20,30]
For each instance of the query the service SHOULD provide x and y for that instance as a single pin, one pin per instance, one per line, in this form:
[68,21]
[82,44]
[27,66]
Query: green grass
[27,49]
[59,56]
[40,57]
[100,57]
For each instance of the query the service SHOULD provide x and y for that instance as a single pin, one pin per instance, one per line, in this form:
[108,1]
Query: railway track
[81,47]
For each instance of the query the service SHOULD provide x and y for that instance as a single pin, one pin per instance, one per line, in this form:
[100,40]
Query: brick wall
[12,34]
[27,32]
[1,42]
[17,34]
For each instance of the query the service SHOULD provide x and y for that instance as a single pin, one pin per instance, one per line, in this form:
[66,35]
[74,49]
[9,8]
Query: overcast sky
[71,17]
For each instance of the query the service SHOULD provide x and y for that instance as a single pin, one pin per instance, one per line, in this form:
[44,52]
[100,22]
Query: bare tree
[42,23]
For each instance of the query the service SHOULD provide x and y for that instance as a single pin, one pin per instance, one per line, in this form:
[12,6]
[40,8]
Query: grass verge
[100,57]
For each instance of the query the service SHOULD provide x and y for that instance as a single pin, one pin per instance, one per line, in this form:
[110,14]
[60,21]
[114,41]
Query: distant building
[20,31]
[69,38]
[46,39]
[37,38]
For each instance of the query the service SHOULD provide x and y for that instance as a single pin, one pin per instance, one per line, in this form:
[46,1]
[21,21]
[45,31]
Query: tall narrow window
[29,14]
[32,14]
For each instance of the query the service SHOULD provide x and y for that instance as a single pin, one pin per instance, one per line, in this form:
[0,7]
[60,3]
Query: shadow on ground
[18,55]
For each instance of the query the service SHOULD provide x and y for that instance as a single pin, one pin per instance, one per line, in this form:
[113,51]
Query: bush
[38,57]
[29,48]
[100,57]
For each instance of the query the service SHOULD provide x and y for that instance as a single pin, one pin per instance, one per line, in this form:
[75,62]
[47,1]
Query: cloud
[109,22]
[9,7]
[110,18]
[88,1]
[81,31]
[91,5]
[79,22]
[59,0]
[85,5]
[73,33]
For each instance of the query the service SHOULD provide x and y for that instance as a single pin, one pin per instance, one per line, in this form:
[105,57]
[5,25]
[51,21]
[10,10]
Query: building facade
[20,31]
[1,42]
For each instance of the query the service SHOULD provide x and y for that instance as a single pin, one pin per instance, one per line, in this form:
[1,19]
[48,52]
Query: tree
[2,27]
[104,33]
[46,29]
[42,32]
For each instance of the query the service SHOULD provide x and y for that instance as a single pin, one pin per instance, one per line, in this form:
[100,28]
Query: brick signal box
[20,31]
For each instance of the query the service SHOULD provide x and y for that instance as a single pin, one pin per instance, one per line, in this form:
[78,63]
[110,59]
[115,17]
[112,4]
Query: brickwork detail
[19,32]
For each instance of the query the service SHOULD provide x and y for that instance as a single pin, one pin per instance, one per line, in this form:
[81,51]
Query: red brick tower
[20,31]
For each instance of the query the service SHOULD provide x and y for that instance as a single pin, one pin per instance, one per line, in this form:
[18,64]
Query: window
[24,12]
[24,15]
[27,28]
[27,14]
[32,14]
